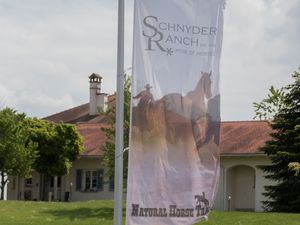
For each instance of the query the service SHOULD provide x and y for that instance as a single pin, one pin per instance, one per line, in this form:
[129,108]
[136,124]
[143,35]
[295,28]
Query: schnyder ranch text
[160,33]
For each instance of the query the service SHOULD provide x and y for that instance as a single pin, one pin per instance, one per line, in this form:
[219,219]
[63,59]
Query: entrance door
[241,188]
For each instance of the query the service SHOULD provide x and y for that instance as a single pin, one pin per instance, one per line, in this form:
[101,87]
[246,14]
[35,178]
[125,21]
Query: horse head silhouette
[205,81]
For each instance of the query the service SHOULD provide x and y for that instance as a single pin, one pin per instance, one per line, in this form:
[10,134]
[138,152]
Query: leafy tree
[17,151]
[58,145]
[268,107]
[295,166]
[284,152]
[109,146]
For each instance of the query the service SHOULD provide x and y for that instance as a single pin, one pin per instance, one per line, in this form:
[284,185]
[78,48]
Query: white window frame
[91,188]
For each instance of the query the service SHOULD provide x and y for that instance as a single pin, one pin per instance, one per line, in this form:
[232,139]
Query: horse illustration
[145,100]
[202,204]
[190,110]
[175,116]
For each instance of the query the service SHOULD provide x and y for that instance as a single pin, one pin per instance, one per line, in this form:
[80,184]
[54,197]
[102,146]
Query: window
[28,182]
[89,180]
[52,182]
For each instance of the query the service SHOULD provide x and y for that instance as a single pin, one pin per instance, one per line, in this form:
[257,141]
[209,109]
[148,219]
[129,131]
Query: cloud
[44,105]
[49,48]
[39,104]
[260,49]
[4,96]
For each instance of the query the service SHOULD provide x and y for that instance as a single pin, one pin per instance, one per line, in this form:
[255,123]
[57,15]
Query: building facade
[241,181]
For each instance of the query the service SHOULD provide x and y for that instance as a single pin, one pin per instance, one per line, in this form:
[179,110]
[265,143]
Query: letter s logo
[156,33]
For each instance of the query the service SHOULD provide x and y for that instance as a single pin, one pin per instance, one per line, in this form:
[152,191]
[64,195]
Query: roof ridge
[92,124]
[248,121]
[66,110]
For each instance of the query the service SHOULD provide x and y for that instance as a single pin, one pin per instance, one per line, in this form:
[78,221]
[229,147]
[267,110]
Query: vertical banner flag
[174,154]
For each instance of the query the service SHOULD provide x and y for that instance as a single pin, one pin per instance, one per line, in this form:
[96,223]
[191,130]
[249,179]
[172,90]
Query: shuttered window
[78,180]
[89,180]
[111,183]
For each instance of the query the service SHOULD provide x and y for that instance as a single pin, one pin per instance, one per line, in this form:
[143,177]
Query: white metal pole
[118,193]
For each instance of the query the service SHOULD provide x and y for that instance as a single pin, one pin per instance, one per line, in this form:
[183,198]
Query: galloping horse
[175,116]
[183,112]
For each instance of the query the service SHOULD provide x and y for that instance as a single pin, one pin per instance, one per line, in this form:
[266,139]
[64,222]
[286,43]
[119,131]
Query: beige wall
[17,186]
[219,201]
[91,163]
[236,175]
[237,178]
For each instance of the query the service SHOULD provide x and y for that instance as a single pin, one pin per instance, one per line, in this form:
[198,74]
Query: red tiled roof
[242,137]
[239,137]
[71,115]
[80,114]
[76,115]
[236,137]
[93,136]
[87,125]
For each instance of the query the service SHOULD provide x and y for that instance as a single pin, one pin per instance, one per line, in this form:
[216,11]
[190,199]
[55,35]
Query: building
[86,179]
[241,182]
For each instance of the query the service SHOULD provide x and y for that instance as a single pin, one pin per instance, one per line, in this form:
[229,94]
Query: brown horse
[177,117]
[187,113]
[192,105]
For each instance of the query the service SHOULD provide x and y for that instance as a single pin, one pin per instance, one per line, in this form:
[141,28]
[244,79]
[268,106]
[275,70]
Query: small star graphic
[169,51]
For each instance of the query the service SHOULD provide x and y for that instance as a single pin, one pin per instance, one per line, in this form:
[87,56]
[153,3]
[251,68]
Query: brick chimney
[98,100]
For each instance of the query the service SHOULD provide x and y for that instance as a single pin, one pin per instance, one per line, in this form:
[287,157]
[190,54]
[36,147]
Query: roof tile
[236,137]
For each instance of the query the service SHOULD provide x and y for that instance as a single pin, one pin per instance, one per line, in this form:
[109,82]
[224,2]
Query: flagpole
[118,192]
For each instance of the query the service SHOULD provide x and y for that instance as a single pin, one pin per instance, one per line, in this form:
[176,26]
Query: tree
[58,145]
[17,151]
[269,106]
[109,146]
[284,152]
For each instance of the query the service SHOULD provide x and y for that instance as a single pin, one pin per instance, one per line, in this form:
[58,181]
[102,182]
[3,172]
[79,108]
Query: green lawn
[101,213]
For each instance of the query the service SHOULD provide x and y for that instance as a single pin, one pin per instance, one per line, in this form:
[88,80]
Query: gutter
[241,154]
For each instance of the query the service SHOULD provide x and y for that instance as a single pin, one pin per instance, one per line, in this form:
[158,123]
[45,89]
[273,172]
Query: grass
[101,213]
[44,213]
[251,218]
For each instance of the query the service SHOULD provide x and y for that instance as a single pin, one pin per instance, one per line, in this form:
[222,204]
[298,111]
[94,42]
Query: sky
[48,48]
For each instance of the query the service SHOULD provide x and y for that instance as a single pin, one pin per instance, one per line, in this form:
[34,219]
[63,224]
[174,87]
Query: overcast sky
[48,48]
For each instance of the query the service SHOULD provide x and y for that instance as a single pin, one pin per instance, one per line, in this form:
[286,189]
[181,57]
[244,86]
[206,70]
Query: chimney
[98,100]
